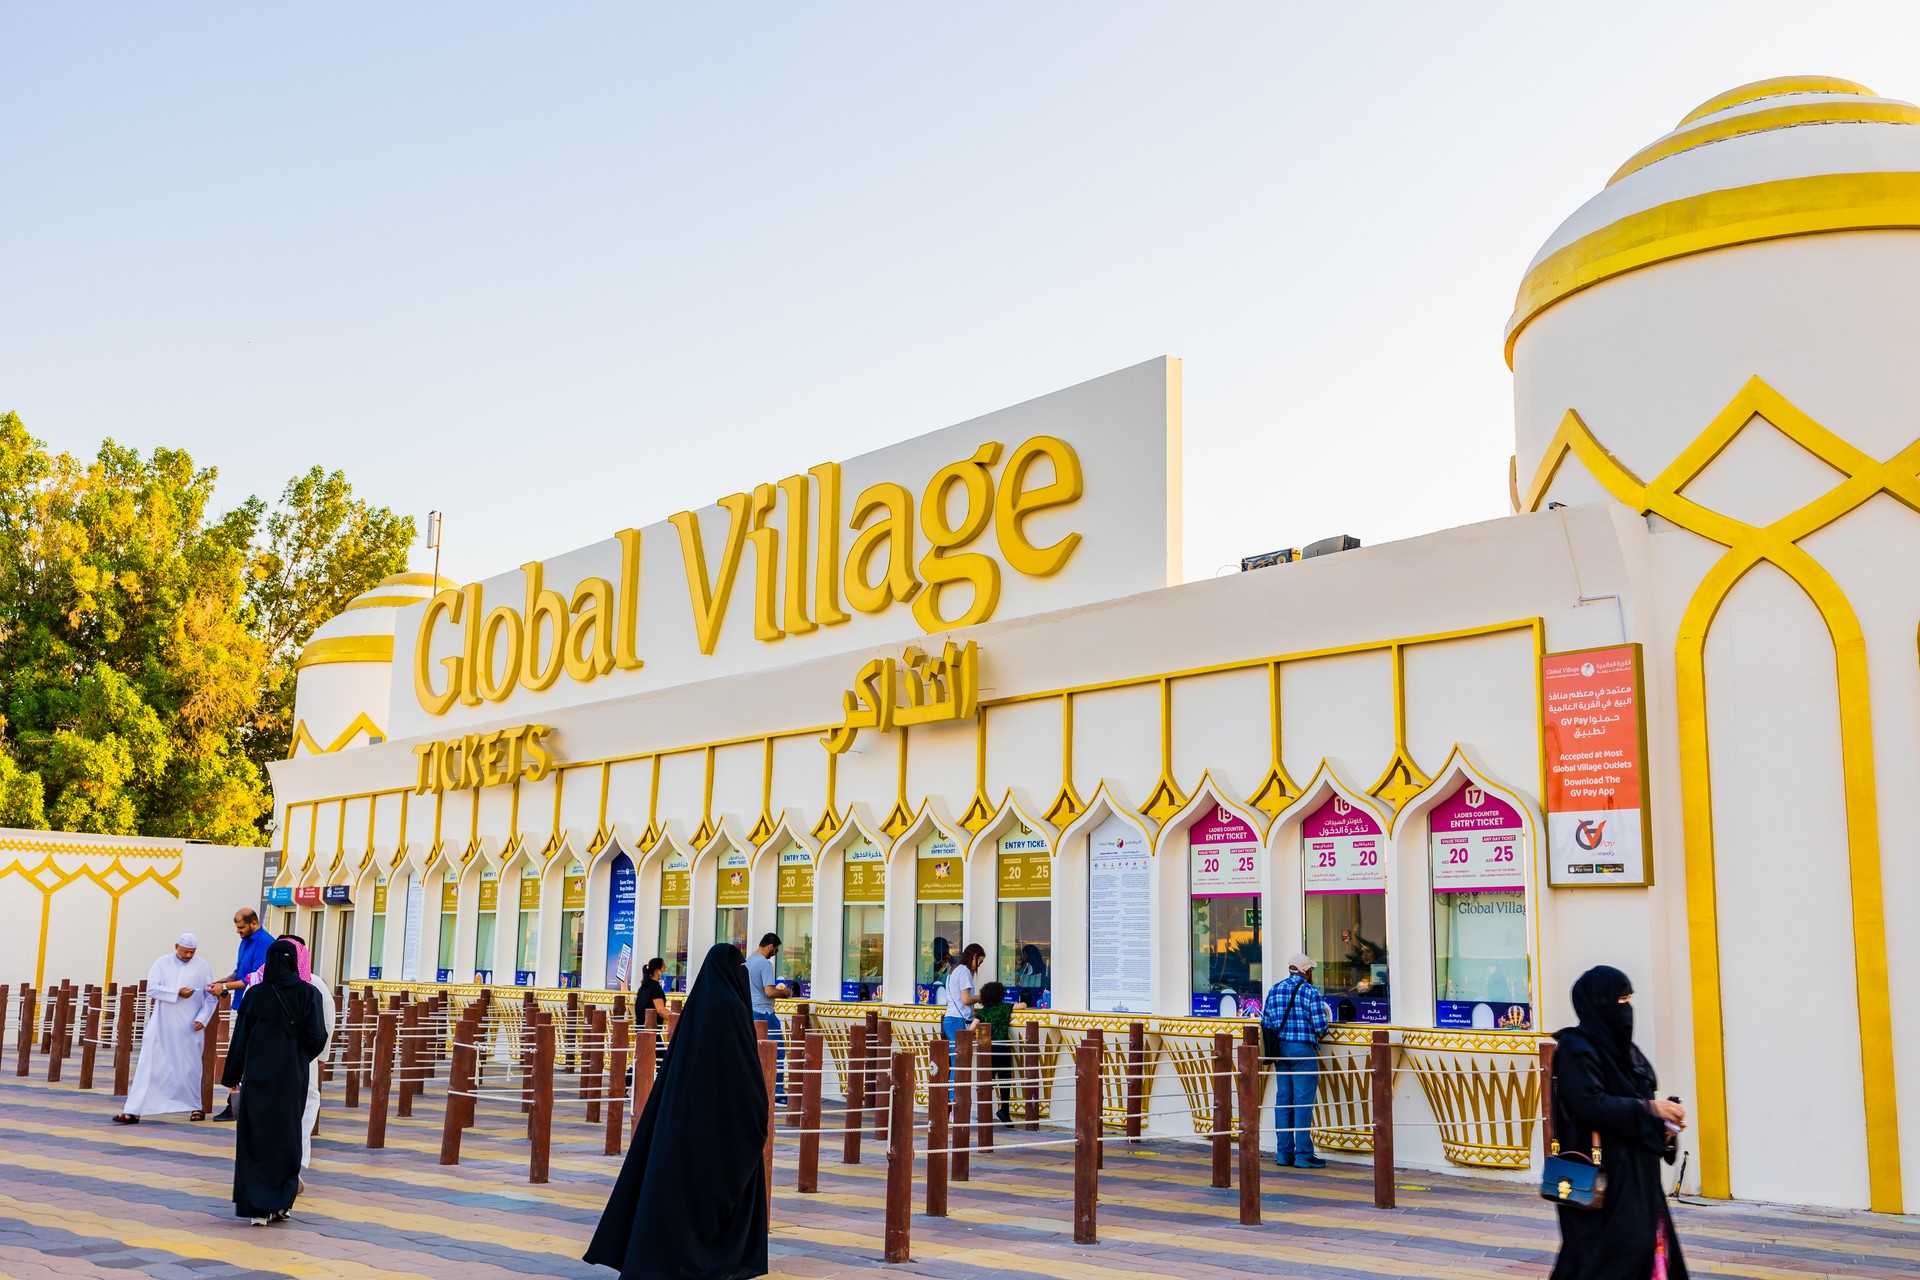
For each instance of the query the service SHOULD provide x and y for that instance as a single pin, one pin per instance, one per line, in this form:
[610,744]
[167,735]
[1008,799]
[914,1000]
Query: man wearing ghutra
[691,1199]
[168,1076]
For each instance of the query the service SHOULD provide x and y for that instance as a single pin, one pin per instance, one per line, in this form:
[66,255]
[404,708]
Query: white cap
[188,941]
[1300,962]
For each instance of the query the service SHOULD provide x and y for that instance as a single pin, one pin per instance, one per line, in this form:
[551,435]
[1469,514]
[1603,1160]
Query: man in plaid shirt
[1297,1016]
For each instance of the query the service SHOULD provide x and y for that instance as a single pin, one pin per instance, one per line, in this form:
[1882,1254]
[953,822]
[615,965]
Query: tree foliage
[147,645]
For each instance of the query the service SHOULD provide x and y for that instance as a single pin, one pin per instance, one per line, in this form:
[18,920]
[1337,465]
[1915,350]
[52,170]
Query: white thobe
[168,1075]
[312,1113]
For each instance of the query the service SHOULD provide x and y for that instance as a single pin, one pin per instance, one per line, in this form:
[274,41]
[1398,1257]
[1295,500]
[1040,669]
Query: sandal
[124,1118]
[197,1115]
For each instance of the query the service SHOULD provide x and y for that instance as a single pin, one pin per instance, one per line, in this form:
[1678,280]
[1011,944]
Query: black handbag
[1574,1180]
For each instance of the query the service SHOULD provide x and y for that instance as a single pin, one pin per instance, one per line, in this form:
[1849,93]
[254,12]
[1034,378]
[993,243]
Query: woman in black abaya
[691,1200]
[1603,1084]
[277,1032]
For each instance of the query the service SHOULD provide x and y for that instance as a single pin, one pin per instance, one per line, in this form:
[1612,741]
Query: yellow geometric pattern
[1747,546]
[48,878]
[362,723]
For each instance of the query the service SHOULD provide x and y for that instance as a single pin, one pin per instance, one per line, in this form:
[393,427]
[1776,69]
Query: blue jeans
[950,1028]
[779,1056]
[1293,1099]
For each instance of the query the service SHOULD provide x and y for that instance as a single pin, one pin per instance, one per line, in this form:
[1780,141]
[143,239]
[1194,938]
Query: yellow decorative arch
[362,723]
[47,878]
[1748,546]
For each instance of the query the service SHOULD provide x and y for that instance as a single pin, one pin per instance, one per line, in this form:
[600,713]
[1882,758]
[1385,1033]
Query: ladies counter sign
[622,903]
[1223,853]
[1343,848]
[1596,741]
[1477,849]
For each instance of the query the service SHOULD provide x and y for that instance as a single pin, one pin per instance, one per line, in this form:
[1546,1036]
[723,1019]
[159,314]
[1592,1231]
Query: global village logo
[940,871]
[1586,668]
[1588,834]
[734,878]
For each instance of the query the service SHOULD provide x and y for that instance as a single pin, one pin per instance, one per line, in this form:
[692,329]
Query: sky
[558,270]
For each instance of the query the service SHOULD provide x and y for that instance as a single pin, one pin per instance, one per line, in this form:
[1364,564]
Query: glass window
[1223,876]
[939,950]
[1347,938]
[675,926]
[377,933]
[316,938]
[483,947]
[794,963]
[1477,860]
[573,947]
[1026,951]
[449,919]
[346,945]
[527,949]
[730,925]
[863,952]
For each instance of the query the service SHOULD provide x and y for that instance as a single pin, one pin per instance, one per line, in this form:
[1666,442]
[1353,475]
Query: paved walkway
[82,1197]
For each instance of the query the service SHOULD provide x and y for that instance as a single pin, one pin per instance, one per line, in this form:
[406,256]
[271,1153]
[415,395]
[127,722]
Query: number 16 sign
[1225,853]
[1343,849]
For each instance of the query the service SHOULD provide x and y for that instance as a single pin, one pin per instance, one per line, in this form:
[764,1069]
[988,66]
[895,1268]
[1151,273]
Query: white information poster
[1119,920]
[410,939]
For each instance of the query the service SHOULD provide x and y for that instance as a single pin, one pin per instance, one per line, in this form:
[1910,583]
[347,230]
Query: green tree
[146,645]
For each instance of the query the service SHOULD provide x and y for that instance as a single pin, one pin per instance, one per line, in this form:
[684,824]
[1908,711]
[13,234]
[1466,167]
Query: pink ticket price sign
[1475,839]
[1343,849]
[1225,856]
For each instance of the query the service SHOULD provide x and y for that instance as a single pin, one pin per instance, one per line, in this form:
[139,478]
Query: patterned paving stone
[80,1197]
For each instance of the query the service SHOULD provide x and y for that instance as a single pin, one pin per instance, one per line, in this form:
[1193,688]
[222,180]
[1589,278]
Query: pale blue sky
[561,269]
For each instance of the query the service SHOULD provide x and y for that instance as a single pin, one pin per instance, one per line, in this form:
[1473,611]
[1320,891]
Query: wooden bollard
[382,1091]
[1136,1077]
[209,1058]
[355,1012]
[769,1075]
[984,1091]
[540,1123]
[593,1062]
[469,1030]
[1382,1091]
[333,1041]
[1222,1110]
[1248,1078]
[225,1009]
[1546,1098]
[6,993]
[529,1022]
[617,1086]
[960,1119]
[57,1033]
[814,1062]
[855,1079]
[796,1036]
[1030,1075]
[882,1042]
[90,1038]
[1086,1142]
[939,1133]
[673,1022]
[569,1045]
[459,1081]
[1099,1038]
[899,1239]
[544,1019]
[646,1061]
[123,1040]
[409,1057]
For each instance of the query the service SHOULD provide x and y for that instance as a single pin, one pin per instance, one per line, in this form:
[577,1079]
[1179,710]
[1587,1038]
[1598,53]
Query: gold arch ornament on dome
[1748,546]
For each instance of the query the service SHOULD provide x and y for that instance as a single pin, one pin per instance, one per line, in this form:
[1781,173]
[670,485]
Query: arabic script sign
[1596,741]
[918,690]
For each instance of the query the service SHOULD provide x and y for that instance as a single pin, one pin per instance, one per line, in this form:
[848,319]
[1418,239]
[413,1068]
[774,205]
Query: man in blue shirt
[254,941]
[1298,1017]
[764,988]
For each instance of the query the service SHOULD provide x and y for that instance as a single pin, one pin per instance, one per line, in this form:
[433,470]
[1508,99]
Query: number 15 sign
[1343,849]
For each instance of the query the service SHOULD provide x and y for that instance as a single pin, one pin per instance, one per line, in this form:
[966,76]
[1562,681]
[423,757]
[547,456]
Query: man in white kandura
[168,1076]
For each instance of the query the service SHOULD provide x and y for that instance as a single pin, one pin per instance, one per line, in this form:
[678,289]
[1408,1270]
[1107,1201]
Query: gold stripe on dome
[416,580]
[345,649]
[1778,86]
[1772,118]
[383,602]
[1718,220]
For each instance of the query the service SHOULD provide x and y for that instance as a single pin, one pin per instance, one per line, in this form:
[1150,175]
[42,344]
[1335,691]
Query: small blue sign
[483,976]
[443,975]
[523,977]
[280,896]
[856,992]
[337,895]
[373,973]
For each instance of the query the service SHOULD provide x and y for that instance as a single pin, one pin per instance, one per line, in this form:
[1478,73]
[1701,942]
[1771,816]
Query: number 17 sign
[1343,849]
[1476,843]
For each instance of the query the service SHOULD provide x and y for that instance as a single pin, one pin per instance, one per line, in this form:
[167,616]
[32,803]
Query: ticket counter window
[863,937]
[377,934]
[526,943]
[1344,868]
[793,919]
[449,918]
[938,877]
[1478,855]
[573,924]
[730,914]
[1223,877]
[484,923]
[316,938]
[345,970]
[676,895]
[1026,917]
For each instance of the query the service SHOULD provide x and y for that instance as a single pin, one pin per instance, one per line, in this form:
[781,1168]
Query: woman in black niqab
[691,1199]
[1603,1084]
[278,1031]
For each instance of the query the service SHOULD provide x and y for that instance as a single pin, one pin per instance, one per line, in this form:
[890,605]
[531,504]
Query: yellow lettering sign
[484,759]
[923,691]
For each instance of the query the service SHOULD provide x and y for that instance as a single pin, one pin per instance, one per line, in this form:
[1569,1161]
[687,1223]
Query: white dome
[363,631]
[1745,166]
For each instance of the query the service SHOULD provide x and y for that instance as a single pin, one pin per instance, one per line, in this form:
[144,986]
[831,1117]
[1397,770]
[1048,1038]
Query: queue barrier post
[382,1079]
[123,1041]
[1136,1077]
[595,1062]
[797,1035]
[1382,1091]
[900,1158]
[1098,1038]
[769,1075]
[961,1119]
[209,1053]
[409,1057]
[1222,1110]
[1030,1076]
[461,1082]
[815,1058]
[355,1012]
[983,1088]
[540,1119]
[1086,1142]
[57,1035]
[856,1090]
[24,1061]
[939,1133]
[90,1038]
[646,1058]
[617,1086]
[883,1081]
[1248,1078]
